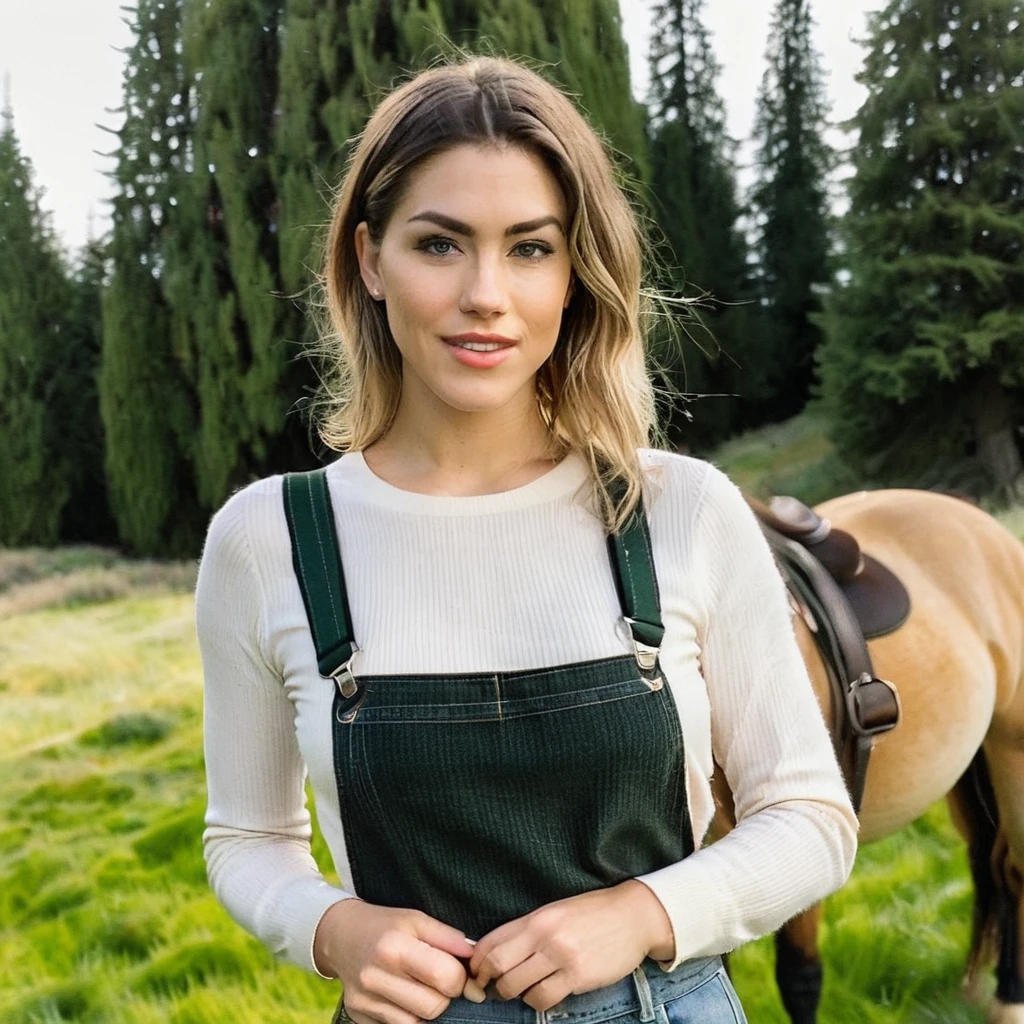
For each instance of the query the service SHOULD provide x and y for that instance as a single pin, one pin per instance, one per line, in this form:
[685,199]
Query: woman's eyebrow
[451,224]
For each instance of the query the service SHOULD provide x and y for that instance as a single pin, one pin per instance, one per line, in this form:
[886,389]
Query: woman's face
[474,270]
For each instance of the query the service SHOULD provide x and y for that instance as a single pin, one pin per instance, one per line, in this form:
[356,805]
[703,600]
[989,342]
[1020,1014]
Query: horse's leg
[1005,754]
[798,971]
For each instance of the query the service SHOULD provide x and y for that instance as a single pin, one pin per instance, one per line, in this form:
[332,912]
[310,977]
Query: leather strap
[863,706]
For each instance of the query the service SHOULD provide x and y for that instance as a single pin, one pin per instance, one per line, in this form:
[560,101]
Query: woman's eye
[533,250]
[437,246]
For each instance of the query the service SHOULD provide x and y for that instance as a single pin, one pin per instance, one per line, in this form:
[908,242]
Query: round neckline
[352,471]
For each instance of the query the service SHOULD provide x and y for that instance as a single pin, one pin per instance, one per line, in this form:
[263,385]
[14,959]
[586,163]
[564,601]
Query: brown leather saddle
[846,597]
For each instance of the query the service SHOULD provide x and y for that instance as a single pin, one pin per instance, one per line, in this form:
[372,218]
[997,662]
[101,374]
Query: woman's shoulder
[256,498]
[250,521]
[687,482]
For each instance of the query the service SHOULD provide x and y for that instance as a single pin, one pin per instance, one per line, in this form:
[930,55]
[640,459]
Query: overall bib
[477,798]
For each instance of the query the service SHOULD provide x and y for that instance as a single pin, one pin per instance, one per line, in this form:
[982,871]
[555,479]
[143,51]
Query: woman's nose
[485,290]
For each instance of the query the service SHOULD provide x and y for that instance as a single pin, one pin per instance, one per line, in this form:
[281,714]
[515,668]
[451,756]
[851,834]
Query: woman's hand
[397,966]
[574,945]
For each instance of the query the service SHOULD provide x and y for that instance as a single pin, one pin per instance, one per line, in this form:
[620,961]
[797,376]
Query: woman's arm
[796,834]
[398,966]
[257,839]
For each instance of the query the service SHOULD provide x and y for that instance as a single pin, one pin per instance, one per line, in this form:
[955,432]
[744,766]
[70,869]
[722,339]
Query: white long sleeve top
[473,584]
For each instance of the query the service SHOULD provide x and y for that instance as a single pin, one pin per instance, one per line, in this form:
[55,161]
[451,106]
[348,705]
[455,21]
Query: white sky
[66,75]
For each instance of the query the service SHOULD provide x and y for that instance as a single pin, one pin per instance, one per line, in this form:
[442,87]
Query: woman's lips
[480,351]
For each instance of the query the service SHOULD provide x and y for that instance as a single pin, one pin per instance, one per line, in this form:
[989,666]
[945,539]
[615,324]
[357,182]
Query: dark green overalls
[477,798]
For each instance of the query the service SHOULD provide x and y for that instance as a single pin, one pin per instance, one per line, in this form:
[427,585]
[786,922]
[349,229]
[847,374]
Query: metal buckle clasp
[646,656]
[344,677]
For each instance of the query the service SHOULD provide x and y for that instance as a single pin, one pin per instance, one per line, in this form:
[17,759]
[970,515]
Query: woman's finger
[415,998]
[549,992]
[482,948]
[435,969]
[533,970]
[377,1012]
[501,950]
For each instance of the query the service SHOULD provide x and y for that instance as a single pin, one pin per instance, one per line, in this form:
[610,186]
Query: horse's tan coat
[957,664]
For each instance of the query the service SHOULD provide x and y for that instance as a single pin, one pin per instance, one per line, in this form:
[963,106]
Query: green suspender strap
[633,565]
[317,560]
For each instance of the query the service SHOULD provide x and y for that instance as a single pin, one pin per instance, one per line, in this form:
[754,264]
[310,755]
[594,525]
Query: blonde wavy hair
[594,392]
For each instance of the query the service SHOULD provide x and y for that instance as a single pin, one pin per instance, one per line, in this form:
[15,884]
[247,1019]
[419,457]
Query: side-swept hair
[594,392]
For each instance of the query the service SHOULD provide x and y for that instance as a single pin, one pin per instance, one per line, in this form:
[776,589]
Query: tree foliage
[238,119]
[923,368]
[694,194]
[34,293]
[790,204]
[147,371]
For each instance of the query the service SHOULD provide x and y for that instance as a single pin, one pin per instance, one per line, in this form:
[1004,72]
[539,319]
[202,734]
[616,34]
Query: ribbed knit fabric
[500,582]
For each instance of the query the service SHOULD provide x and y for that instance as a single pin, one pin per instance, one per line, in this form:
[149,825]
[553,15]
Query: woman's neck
[448,452]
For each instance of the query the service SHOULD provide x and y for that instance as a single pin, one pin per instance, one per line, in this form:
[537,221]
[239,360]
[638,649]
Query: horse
[958,665]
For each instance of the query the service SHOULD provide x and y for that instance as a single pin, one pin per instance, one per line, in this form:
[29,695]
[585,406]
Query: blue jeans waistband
[648,986]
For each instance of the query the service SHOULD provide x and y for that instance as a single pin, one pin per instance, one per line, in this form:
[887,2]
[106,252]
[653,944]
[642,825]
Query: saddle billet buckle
[889,715]
[344,677]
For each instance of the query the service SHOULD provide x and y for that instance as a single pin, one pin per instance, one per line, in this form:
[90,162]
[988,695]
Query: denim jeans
[697,992]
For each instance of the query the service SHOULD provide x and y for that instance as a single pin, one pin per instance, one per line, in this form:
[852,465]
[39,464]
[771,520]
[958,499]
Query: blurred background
[839,187]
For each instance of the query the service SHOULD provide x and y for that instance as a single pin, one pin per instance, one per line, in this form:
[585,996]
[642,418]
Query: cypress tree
[246,338]
[33,295]
[146,373]
[86,516]
[923,367]
[790,204]
[694,194]
[238,115]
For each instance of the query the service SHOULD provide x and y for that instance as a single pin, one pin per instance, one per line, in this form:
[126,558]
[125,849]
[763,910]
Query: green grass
[795,457]
[105,915]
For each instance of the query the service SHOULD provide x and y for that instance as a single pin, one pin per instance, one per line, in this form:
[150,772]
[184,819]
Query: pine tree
[694,192]
[146,380]
[791,204]
[923,367]
[33,295]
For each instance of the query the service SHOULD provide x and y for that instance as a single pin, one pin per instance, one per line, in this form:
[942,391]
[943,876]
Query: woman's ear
[369,261]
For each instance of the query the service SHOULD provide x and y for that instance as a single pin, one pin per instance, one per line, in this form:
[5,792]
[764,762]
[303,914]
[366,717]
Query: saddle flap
[878,598]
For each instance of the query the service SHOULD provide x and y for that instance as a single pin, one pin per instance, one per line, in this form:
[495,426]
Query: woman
[512,763]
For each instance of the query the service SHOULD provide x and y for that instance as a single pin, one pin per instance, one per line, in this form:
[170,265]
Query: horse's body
[958,664]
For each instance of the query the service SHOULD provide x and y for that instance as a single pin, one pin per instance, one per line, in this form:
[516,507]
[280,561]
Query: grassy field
[104,911]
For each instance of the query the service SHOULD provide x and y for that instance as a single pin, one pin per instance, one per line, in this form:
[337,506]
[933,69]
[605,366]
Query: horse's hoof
[1006,1013]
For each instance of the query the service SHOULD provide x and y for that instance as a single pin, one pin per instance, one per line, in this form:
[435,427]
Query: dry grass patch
[35,579]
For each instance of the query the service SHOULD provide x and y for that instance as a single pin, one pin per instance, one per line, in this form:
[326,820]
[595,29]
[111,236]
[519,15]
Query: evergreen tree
[86,516]
[245,336]
[694,193]
[790,204]
[146,381]
[923,367]
[33,295]
[238,119]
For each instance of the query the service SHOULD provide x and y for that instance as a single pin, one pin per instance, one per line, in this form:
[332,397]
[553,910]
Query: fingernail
[473,992]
